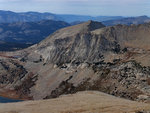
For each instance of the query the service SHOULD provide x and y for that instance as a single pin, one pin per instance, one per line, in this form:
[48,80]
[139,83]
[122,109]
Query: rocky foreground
[81,102]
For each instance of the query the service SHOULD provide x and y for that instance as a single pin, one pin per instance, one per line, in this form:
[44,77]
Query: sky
[81,7]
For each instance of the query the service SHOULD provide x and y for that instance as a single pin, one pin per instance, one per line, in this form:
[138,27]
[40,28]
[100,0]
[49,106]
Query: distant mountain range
[74,18]
[128,21]
[123,21]
[24,34]
[10,17]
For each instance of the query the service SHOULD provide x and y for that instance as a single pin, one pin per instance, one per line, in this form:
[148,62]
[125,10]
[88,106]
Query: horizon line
[71,14]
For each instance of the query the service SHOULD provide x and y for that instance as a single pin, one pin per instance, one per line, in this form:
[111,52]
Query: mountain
[76,22]
[11,17]
[81,102]
[87,56]
[27,33]
[128,21]
[82,18]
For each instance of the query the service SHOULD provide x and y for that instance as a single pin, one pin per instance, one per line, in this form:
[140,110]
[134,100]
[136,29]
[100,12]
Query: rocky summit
[88,56]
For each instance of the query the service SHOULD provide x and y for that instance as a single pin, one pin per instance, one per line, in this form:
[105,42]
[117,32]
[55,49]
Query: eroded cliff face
[81,45]
[87,56]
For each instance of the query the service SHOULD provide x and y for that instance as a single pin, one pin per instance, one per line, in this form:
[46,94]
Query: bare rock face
[80,43]
[73,44]
[88,56]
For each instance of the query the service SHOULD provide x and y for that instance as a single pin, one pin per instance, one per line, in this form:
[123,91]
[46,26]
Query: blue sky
[82,7]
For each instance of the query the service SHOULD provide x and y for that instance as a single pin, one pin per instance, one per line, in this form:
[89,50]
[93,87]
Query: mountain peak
[74,30]
[92,25]
[83,27]
[86,26]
